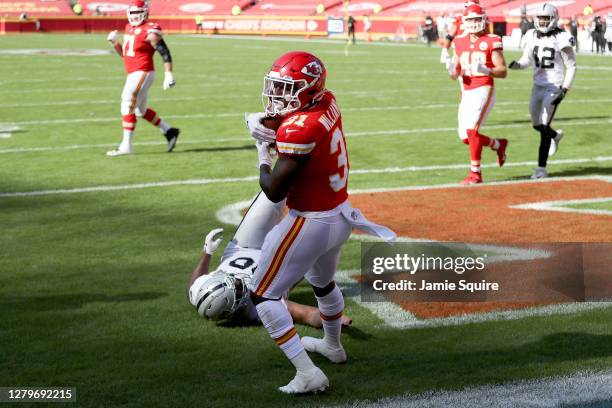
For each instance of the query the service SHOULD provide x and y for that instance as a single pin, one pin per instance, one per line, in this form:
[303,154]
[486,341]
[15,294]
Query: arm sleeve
[569,60]
[163,50]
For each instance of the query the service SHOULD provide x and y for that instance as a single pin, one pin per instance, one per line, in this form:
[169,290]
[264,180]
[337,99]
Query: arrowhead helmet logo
[313,69]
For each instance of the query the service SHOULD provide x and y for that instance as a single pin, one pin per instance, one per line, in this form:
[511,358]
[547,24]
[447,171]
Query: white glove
[452,69]
[169,81]
[482,69]
[257,130]
[263,151]
[112,36]
[444,57]
[210,243]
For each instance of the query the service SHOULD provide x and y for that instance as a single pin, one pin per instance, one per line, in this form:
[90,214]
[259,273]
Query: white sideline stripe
[359,109]
[588,388]
[129,186]
[251,178]
[99,145]
[561,206]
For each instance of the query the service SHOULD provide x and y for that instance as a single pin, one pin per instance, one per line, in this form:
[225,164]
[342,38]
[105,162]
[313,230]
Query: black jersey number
[242,263]
[548,57]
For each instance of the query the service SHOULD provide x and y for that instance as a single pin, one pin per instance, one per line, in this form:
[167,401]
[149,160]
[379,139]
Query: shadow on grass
[71,301]
[582,171]
[207,149]
[556,120]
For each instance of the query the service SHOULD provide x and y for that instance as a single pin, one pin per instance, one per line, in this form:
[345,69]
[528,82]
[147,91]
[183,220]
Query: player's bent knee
[539,128]
[324,291]
[256,299]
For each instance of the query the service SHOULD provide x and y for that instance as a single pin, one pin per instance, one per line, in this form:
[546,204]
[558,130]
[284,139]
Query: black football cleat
[172,136]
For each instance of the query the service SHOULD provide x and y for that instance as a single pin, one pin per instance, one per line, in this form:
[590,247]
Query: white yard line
[354,109]
[562,206]
[583,389]
[252,178]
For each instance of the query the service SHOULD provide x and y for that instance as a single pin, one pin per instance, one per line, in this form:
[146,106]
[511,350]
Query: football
[272,122]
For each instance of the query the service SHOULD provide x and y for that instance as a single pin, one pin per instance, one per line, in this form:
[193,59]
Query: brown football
[273,122]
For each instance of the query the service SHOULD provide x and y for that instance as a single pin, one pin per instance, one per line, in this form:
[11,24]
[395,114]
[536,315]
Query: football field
[96,252]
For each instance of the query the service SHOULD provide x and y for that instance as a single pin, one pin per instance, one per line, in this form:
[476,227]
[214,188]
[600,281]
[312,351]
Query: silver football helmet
[220,294]
[546,18]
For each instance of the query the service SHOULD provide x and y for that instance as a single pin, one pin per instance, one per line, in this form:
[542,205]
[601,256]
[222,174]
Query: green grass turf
[605,205]
[92,285]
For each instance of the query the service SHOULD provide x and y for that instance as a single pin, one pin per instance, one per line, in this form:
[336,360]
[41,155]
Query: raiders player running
[550,51]
[223,294]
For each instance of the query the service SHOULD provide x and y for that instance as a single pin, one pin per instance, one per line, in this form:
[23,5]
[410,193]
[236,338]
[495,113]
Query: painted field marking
[394,316]
[206,181]
[583,389]
[561,206]
[6,132]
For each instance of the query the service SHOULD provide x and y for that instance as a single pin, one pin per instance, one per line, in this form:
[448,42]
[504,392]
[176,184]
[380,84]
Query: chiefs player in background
[455,30]
[140,41]
[478,59]
[312,173]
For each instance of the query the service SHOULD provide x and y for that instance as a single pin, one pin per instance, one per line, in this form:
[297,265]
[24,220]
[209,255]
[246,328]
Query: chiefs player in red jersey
[140,41]
[312,172]
[478,59]
[455,30]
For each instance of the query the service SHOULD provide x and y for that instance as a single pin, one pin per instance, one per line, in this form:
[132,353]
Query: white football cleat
[304,382]
[554,143]
[320,346]
[540,173]
[119,152]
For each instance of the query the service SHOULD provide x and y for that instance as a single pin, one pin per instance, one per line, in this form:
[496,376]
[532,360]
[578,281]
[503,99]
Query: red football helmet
[137,12]
[295,80]
[474,19]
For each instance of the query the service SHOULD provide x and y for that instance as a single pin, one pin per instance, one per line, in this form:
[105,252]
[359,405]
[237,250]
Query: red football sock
[151,116]
[129,122]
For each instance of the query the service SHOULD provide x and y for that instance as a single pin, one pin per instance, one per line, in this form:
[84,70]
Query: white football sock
[163,126]
[331,307]
[277,321]
[302,361]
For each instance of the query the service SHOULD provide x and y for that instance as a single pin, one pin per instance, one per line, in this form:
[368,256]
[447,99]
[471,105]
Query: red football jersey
[473,50]
[137,52]
[315,135]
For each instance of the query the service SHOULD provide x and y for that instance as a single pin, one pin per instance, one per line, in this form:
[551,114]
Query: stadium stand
[285,17]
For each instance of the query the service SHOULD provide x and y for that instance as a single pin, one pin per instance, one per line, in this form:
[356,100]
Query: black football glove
[514,65]
[560,97]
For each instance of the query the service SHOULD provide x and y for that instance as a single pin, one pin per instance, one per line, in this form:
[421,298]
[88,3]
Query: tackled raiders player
[223,294]
[550,51]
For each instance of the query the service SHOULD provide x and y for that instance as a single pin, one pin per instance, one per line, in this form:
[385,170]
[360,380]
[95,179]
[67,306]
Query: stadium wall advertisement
[315,26]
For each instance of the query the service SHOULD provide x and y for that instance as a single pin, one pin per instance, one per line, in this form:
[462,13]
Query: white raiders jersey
[239,261]
[235,261]
[544,53]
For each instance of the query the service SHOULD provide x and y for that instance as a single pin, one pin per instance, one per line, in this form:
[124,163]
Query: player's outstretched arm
[112,38]
[499,69]
[276,182]
[211,244]
[159,44]
[524,61]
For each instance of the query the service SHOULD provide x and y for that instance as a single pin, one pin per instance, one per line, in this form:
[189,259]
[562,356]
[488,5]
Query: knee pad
[320,292]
